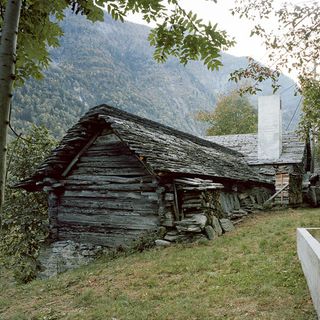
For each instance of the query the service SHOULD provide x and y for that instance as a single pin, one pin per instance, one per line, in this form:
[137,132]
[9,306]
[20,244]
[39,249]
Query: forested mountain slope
[112,63]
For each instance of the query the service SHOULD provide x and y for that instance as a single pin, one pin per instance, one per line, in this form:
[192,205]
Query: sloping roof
[163,149]
[293,148]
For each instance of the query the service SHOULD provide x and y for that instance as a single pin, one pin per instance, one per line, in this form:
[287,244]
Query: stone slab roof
[163,149]
[293,148]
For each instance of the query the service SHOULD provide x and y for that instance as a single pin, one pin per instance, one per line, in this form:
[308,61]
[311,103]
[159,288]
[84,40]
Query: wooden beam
[140,159]
[79,154]
[176,203]
[274,195]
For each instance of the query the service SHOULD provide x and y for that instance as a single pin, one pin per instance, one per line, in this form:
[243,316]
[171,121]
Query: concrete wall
[269,127]
[309,254]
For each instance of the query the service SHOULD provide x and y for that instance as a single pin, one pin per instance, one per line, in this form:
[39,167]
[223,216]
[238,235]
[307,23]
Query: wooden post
[79,154]
[53,207]
[176,202]
[277,193]
[281,187]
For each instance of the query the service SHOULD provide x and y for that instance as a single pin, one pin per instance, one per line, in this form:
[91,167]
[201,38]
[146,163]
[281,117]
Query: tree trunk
[7,68]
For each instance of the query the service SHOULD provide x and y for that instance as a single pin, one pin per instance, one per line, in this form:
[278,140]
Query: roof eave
[261,181]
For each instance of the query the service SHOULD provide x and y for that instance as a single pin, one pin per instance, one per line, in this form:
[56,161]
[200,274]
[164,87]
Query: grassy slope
[251,273]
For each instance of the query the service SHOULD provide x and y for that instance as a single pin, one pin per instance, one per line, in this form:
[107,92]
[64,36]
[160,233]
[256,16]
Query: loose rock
[216,226]
[226,225]
[195,223]
[210,232]
[162,243]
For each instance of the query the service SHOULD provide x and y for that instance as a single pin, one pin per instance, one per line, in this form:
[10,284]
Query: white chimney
[269,128]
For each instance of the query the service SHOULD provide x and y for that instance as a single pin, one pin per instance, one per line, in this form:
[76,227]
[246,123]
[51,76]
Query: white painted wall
[269,127]
[309,254]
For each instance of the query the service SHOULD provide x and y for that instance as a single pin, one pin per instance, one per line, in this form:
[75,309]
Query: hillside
[112,63]
[250,273]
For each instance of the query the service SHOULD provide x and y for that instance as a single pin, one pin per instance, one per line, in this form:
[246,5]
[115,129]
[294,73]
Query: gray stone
[84,247]
[200,220]
[216,226]
[226,225]
[189,228]
[87,253]
[174,237]
[172,233]
[253,200]
[198,237]
[230,214]
[162,231]
[224,202]
[210,232]
[236,202]
[171,238]
[162,243]
[243,196]
[61,256]
[195,223]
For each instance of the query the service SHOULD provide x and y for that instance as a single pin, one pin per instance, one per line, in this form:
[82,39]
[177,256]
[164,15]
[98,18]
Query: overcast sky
[237,28]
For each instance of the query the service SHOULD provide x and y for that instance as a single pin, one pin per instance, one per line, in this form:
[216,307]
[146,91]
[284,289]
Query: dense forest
[112,63]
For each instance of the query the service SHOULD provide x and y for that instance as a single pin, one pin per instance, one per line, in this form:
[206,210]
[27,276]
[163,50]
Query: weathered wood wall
[290,175]
[283,175]
[109,198]
[282,179]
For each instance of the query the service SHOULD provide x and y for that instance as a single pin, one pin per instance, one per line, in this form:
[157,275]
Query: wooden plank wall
[291,174]
[109,198]
[282,178]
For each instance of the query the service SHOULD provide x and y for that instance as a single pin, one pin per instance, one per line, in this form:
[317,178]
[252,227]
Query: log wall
[109,198]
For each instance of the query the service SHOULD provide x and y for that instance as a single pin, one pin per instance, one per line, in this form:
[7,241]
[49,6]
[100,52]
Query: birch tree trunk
[7,73]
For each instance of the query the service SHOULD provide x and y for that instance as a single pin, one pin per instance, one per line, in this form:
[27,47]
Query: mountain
[111,62]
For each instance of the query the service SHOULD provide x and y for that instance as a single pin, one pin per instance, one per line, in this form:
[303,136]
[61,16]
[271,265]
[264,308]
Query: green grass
[251,273]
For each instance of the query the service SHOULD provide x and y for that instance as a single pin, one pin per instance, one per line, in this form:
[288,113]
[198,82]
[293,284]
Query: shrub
[24,222]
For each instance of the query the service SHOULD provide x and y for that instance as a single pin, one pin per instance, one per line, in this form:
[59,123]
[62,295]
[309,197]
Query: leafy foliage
[292,39]
[25,215]
[178,33]
[39,30]
[259,73]
[233,115]
[310,121]
[182,34]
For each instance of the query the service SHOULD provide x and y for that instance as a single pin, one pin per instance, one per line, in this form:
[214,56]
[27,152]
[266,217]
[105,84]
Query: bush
[24,222]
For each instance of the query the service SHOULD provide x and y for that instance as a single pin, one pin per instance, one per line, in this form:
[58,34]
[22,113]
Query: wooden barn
[116,176]
[283,157]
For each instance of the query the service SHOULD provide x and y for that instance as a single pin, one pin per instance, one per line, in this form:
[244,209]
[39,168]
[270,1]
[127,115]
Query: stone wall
[207,214]
[61,256]
[198,214]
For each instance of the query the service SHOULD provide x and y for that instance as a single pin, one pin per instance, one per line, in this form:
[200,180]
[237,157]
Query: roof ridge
[171,150]
[167,129]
